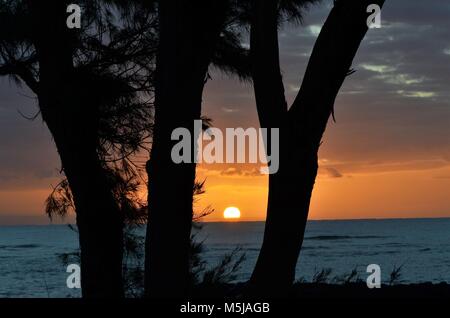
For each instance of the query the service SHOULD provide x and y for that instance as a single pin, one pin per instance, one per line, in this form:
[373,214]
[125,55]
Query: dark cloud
[375,166]
[332,172]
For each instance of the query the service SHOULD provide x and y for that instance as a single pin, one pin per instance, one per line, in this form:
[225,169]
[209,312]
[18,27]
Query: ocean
[30,265]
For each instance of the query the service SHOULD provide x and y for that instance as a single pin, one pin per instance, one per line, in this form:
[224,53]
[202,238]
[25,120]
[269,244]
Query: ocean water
[30,266]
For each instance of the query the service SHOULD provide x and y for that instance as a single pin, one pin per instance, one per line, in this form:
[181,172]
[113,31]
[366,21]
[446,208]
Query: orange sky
[396,194]
[366,170]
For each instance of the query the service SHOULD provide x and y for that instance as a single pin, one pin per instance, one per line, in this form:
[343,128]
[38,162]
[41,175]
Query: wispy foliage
[60,201]
[322,276]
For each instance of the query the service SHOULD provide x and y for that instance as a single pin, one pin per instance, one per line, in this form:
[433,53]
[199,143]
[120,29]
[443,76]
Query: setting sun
[231,213]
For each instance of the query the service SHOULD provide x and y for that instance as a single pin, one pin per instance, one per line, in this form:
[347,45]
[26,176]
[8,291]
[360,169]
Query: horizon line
[254,221]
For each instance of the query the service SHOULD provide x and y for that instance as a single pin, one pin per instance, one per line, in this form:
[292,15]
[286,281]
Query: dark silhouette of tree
[60,202]
[301,127]
[88,83]
[192,36]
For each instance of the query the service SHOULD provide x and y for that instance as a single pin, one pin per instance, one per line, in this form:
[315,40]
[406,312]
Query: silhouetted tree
[190,34]
[88,83]
[301,127]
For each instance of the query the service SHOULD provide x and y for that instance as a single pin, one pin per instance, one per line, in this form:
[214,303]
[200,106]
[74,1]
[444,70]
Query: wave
[20,246]
[342,237]
[306,248]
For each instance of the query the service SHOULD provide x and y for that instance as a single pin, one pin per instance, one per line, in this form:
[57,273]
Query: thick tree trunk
[188,32]
[301,130]
[289,197]
[99,221]
[68,108]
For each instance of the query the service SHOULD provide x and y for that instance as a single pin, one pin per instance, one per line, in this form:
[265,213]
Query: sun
[231,213]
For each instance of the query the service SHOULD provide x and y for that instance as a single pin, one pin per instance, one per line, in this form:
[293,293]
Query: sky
[387,156]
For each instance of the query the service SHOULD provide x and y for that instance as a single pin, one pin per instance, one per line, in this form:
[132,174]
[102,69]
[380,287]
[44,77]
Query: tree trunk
[301,130]
[99,221]
[99,218]
[69,110]
[188,33]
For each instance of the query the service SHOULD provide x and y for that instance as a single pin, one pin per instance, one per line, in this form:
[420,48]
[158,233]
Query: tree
[187,34]
[88,83]
[192,35]
[301,127]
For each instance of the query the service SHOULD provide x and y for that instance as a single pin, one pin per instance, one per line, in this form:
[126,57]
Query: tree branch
[20,70]
[266,73]
[329,65]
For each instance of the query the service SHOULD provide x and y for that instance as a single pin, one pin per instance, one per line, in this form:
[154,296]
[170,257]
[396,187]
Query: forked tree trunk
[68,109]
[301,129]
[188,33]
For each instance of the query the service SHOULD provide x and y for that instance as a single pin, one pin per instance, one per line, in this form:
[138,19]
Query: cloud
[338,169]
[330,172]
[231,172]
[445,177]
[333,173]
[417,94]
[378,68]
[26,181]
[400,79]
[255,172]
[240,171]
[314,30]
[229,110]
[446,157]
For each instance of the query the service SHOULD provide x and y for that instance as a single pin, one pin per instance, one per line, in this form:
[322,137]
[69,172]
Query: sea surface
[30,265]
